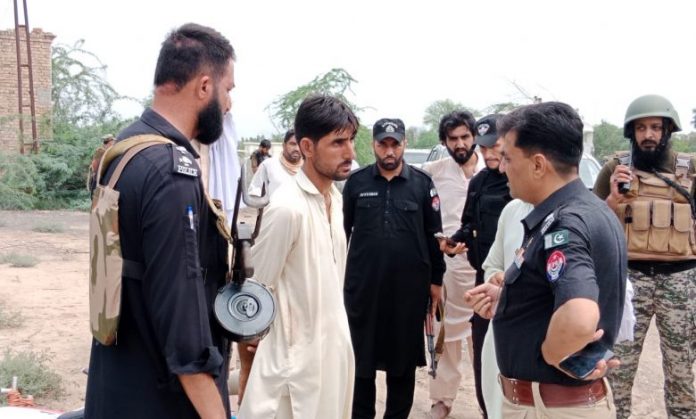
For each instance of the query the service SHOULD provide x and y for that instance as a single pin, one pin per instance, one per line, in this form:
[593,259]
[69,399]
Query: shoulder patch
[555,239]
[183,162]
[555,265]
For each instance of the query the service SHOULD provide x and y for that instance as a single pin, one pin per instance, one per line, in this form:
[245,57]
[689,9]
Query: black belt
[651,268]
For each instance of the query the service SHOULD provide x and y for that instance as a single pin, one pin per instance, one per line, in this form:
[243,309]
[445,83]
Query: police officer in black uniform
[391,212]
[171,358]
[565,290]
[487,195]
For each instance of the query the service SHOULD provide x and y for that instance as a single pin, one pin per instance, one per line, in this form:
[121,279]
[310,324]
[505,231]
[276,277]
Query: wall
[9,112]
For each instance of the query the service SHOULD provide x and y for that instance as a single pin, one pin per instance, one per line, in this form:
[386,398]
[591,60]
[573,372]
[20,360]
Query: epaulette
[183,162]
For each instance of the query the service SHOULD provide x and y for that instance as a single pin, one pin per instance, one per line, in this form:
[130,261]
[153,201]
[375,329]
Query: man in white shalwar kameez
[451,177]
[305,367]
[275,172]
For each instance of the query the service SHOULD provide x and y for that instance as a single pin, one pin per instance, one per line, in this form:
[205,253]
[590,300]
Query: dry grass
[18,260]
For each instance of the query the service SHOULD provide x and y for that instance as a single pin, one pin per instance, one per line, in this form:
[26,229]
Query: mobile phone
[582,363]
[441,236]
[624,187]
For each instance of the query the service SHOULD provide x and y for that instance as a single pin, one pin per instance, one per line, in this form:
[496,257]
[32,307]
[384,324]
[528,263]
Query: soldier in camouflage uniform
[656,209]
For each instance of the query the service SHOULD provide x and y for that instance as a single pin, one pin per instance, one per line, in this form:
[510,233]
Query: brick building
[9,113]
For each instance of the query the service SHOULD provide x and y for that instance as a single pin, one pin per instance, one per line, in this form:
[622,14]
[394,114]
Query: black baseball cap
[485,132]
[389,128]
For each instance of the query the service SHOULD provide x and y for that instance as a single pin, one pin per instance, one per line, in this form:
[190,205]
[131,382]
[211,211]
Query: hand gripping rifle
[435,348]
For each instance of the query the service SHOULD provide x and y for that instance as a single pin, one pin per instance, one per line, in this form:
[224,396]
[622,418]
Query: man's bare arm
[204,395]
[572,327]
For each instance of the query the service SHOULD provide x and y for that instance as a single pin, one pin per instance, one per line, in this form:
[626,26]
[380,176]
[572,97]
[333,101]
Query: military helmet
[651,105]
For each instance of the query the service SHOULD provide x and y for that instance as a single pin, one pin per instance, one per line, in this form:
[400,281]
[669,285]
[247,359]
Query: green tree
[82,113]
[335,83]
[421,138]
[363,146]
[683,142]
[81,95]
[693,119]
[436,110]
[608,139]
[503,107]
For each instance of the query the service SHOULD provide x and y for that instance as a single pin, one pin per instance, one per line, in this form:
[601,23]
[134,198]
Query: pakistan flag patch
[555,239]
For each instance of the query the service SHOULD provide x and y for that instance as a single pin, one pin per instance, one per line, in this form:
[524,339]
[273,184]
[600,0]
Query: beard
[647,160]
[336,174]
[461,155]
[389,165]
[210,122]
[293,157]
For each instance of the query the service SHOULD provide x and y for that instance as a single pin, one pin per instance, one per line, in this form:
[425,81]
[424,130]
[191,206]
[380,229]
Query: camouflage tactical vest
[657,219]
[106,262]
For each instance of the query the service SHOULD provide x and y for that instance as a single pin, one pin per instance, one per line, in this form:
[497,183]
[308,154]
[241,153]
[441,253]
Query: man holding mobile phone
[560,306]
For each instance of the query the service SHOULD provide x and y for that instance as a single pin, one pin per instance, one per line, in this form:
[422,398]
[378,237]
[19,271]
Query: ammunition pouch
[658,219]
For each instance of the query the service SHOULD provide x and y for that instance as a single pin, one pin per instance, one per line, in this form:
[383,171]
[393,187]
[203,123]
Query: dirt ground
[52,298]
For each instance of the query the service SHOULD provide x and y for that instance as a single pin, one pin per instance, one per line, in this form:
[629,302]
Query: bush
[48,227]
[33,374]
[18,182]
[17,260]
[10,318]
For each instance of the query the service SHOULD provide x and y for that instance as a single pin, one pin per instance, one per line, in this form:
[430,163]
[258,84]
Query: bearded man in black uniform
[170,358]
[391,211]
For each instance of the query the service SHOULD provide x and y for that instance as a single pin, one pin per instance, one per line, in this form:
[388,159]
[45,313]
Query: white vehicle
[416,156]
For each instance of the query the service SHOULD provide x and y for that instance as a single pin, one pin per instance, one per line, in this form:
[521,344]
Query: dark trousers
[399,397]
[479,327]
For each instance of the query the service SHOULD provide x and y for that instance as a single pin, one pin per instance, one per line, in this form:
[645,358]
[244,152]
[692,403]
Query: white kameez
[508,238]
[272,173]
[307,354]
[452,186]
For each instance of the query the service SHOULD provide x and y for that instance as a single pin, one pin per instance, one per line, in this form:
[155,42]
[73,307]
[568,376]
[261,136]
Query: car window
[416,156]
[438,152]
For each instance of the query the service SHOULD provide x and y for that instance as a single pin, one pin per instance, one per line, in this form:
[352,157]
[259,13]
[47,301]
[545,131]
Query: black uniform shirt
[374,207]
[573,248]
[393,259]
[166,327]
[487,195]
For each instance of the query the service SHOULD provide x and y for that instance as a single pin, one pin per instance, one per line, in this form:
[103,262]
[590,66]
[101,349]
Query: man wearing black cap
[487,196]
[391,212]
